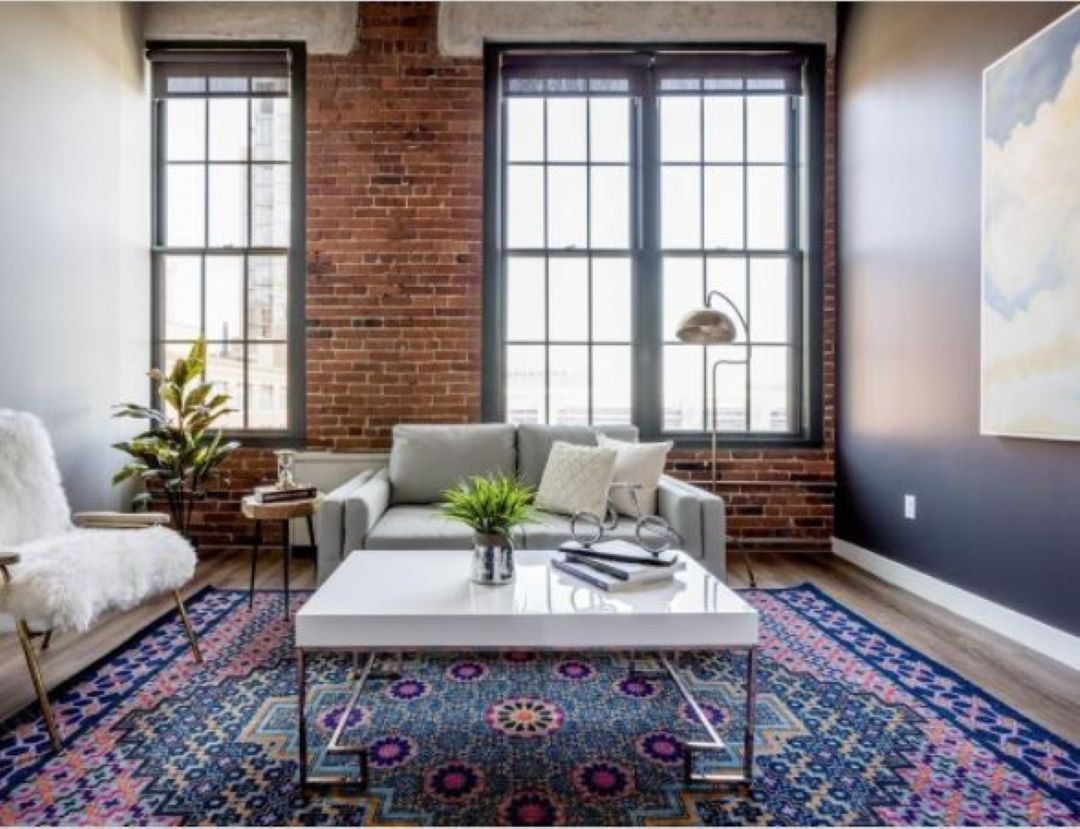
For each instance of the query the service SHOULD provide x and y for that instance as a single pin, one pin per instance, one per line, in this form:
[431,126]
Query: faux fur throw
[32,501]
[68,580]
[65,577]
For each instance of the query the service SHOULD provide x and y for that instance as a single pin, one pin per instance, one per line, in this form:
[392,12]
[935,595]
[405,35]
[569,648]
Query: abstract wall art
[1031,237]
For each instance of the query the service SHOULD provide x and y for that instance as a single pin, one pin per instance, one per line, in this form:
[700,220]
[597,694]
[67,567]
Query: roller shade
[576,73]
[210,71]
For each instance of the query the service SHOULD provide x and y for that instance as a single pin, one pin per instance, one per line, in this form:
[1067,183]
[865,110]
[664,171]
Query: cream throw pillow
[636,463]
[576,479]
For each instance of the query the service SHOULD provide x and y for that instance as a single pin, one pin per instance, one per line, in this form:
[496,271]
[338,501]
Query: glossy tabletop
[423,599]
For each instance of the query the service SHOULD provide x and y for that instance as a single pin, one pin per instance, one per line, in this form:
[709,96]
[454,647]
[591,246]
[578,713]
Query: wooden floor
[1045,690]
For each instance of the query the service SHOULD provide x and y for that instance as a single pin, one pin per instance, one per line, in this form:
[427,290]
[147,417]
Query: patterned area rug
[853,727]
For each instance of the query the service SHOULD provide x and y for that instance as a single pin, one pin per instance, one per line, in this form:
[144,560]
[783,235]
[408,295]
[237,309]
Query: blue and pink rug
[853,727]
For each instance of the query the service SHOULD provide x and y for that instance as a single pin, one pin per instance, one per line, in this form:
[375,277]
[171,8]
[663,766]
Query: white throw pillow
[636,463]
[576,479]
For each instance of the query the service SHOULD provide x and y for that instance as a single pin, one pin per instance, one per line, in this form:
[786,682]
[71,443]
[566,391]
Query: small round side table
[283,512]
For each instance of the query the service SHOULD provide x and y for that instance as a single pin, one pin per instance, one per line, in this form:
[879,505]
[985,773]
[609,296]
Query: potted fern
[180,450]
[492,507]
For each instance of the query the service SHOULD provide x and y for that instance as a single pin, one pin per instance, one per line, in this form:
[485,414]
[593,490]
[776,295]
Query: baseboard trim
[1055,643]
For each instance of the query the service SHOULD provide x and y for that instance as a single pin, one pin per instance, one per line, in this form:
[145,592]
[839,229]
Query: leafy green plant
[181,450]
[490,505]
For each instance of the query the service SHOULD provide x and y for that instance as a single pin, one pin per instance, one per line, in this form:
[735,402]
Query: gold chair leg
[187,626]
[39,683]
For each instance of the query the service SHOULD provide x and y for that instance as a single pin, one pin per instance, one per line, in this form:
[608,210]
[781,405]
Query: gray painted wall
[328,28]
[997,516]
[464,26]
[74,268]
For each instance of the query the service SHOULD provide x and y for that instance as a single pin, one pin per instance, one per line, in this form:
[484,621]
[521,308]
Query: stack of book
[616,565]
[271,494]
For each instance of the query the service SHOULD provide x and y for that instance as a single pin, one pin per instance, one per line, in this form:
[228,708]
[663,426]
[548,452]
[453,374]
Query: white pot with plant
[492,507]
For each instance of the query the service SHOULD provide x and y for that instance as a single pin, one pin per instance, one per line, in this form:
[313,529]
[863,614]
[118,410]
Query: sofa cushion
[576,479]
[534,441]
[639,464]
[417,527]
[548,531]
[425,460]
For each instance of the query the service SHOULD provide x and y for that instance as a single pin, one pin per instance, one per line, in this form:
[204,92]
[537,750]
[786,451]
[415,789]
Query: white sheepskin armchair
[60,574]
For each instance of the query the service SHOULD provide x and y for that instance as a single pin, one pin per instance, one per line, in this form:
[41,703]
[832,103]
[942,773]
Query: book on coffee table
[618,550]
[614,576]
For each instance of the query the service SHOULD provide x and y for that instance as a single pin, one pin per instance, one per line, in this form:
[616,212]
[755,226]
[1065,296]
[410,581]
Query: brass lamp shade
[706,326]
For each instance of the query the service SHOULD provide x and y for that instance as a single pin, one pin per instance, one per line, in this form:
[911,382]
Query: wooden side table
[284,512]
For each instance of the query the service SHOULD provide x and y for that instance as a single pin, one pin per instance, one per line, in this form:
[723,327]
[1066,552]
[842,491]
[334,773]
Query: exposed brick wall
[394,224]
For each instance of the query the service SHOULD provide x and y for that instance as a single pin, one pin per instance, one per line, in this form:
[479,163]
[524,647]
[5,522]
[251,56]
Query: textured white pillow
[576,479]
[636,463]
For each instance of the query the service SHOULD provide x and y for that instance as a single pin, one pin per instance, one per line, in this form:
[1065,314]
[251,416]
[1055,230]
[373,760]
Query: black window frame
[294,434]
[647,339]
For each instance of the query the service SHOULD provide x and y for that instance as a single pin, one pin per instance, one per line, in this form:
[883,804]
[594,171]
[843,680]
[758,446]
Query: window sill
[727,442]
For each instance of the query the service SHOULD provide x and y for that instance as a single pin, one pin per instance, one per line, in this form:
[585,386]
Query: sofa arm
[698,516]
[330,525]
[363,508]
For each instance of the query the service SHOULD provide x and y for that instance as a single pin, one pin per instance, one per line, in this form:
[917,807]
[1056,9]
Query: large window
[228,225]
[623,189]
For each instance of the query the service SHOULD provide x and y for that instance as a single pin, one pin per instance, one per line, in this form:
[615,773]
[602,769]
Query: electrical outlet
[909,507]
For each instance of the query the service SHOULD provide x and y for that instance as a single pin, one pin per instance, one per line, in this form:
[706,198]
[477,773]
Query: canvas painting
[1031,237]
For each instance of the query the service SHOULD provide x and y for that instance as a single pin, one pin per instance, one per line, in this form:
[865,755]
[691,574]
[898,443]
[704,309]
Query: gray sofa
[397,507]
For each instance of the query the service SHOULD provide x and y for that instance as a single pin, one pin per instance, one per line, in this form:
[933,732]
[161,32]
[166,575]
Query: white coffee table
[396,600]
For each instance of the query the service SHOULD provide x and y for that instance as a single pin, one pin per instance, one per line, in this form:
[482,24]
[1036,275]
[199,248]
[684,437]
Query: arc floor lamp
[712,326]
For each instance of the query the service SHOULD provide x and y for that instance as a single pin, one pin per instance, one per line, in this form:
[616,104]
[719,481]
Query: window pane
[770,299]
[680,202]
[271,202]
[611,299]
[172,353]
[684,290]
[730,387]
[769,398]
[525,207]
[225,370]
[525,384]
[228,84]
[525,298]
[568,299]
[183,299]
[723,207]
[767,207]
[609,220]
[224,298]
[680,128]
[525,129]
[766,127]
[185,129]
[728,276]
[269,84]
[268,298]
[723,128]
[566,135]
[271,128]
[268,386]
[609,129]
[567,201]
[684,392]
[185,205]
[227,226]
[569,384]
[611,383]
[228,129]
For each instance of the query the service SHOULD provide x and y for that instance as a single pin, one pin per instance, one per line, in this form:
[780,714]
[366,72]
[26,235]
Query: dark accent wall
[997,516]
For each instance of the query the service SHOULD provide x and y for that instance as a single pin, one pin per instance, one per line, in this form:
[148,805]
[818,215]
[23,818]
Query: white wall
[74,229]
